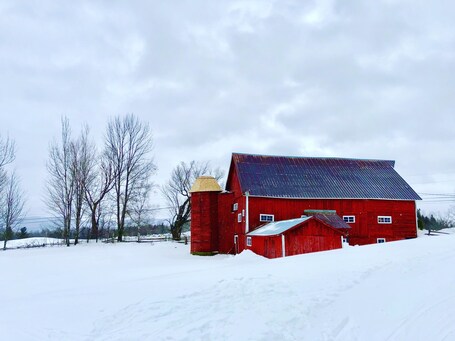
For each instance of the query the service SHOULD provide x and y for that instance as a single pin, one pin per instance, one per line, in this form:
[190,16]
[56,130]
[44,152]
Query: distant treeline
[84,233]
[433,223]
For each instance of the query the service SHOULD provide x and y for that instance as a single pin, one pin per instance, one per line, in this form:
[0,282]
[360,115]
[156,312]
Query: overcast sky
[361,79]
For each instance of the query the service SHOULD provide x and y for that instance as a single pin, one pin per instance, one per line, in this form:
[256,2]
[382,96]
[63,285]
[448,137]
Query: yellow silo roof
[205,184]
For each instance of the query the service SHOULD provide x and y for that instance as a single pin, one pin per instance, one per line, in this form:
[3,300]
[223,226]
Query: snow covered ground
[32,242]
[394,291]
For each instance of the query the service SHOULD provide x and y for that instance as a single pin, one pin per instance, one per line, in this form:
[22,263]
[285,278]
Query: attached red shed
[320,232]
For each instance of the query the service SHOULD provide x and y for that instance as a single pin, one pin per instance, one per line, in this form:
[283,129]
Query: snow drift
[394,291]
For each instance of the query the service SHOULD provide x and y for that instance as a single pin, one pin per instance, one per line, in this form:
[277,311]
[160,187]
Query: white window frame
[384,219]
[235,207]
[249,241]
[350,219]
[262,217]
[380,240]
[344,240]
[239,218]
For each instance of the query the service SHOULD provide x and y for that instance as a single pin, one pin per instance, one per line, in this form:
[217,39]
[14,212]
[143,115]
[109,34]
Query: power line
[433,182]
[440,194]
[447,172]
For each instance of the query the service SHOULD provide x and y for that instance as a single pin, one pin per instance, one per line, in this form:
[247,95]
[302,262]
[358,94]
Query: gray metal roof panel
[330,178]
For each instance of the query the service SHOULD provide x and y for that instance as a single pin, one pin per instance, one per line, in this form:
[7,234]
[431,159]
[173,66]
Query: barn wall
[227,221]
[366,228]
[313,236]
[233,186]
[233,183]
[267,246]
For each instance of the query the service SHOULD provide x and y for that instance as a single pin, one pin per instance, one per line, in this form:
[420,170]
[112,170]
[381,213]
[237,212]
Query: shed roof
[329,218]
[322,178]
[277,227]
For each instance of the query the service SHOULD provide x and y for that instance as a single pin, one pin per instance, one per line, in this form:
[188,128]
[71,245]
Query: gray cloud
[319,78]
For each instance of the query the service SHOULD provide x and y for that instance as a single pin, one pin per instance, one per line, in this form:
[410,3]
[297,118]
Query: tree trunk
[176,231]
[67,230]
[78,224]
[94,230]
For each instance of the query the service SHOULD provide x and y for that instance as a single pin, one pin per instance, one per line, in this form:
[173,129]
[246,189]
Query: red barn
[368,195]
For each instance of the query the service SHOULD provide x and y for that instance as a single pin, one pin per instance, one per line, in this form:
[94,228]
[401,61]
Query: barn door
[236,244]
[269,248]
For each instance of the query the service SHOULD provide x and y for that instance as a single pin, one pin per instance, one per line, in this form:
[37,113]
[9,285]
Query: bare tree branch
[11,207]
[128,146]
[82,158]
[100,181]
[60,184]
[7,155]
[177,192]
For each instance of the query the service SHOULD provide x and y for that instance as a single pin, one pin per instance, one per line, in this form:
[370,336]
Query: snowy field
[394,291]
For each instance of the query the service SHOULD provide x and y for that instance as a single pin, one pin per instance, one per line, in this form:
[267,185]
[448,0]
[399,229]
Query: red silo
[204,216]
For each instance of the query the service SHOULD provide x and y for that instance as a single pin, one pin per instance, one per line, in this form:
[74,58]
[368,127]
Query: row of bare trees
[95,184]
[90,185]
[11,196]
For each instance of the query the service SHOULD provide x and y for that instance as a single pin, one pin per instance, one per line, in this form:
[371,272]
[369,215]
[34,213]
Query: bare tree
[100,182]
[60,184]
[128,146]
[82,158]
[7,155]
[11,207]
[177,192]
[451,216]
[140,209]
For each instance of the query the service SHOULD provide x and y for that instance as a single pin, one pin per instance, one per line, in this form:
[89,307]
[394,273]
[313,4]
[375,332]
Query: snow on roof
[277,227]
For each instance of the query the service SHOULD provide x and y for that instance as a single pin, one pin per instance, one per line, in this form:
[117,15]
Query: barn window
[235,207]
[380,240]
[239,217]
[266,217]
[249,242]
[349,218]
[384,219]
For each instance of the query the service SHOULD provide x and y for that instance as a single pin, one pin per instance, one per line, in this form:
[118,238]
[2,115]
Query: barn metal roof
[323,178]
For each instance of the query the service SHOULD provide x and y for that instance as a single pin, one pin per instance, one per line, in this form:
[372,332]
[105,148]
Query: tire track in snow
[239,304]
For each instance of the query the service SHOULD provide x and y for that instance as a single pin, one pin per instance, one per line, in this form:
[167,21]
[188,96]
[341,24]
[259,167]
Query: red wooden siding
[204,222]
[227,221]
[267,246]
[365,230]
[312,237]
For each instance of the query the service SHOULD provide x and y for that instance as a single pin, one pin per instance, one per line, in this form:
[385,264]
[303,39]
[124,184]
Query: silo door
[236,244]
